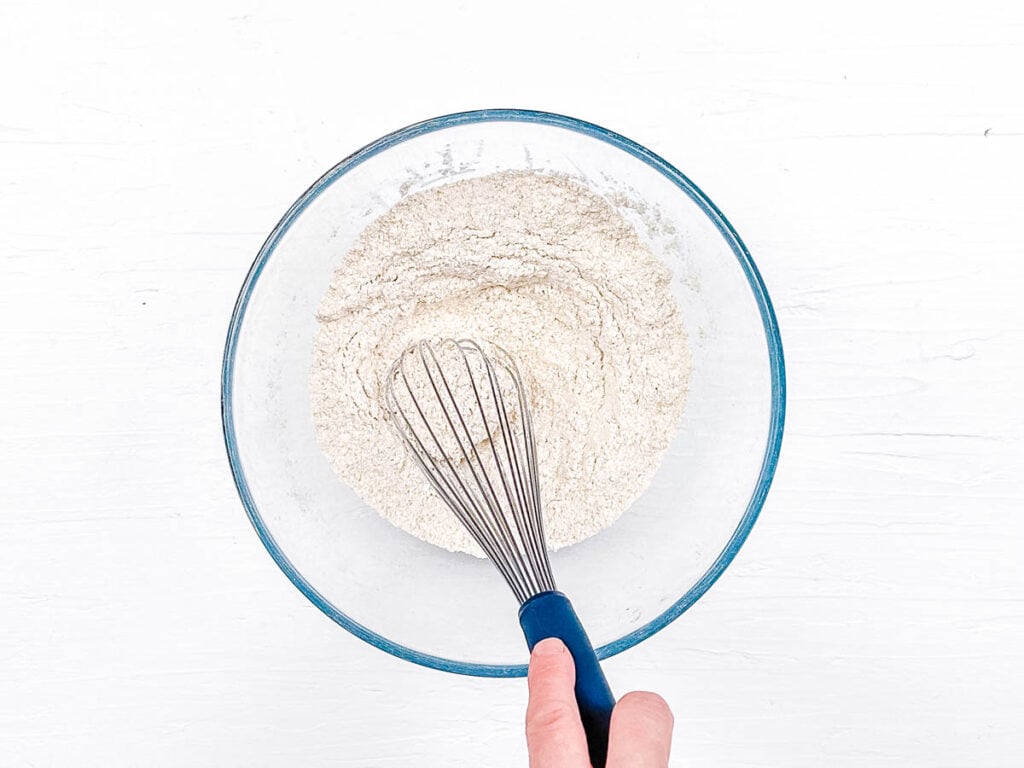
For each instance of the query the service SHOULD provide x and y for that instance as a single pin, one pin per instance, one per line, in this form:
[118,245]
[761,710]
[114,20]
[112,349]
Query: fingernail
[549,646]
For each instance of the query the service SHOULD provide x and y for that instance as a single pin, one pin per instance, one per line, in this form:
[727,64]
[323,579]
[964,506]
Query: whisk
[464,418]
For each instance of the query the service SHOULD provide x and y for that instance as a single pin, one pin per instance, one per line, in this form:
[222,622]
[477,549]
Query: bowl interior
[453,611]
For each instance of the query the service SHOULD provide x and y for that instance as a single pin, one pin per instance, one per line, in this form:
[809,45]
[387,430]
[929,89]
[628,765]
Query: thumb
[554,733]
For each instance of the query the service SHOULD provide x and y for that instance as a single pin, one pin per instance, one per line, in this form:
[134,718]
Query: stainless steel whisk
[463,415]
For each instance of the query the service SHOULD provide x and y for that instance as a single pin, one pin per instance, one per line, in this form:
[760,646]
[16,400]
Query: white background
[870,154]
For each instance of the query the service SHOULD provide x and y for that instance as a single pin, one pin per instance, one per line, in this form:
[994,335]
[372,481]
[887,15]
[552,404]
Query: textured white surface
[870,155]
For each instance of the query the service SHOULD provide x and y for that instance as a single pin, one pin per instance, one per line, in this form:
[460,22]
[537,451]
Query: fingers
[554,733]
[641,732]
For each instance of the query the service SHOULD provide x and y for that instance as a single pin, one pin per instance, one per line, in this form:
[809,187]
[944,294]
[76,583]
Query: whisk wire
[463,505]
[477,449]
[515,503]
[528,509]
[476,465]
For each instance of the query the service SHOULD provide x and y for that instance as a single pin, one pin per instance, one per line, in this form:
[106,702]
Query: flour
[550,271]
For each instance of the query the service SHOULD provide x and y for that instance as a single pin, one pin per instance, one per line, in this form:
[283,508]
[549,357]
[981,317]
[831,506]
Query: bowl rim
[746,262]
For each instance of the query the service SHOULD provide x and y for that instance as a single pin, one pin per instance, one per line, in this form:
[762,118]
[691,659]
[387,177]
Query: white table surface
[870,154]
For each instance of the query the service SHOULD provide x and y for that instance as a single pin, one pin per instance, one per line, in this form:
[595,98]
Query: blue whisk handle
[550,614]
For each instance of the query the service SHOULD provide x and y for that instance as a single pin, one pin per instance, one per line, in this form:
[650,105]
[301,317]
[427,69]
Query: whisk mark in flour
[553,273]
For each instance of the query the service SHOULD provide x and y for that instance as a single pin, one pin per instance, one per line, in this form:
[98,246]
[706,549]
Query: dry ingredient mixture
[550,271]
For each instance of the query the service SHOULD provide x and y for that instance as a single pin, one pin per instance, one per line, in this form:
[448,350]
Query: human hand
[641,728]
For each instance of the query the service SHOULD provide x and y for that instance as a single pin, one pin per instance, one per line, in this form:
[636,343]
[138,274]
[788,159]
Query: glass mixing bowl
[453,611]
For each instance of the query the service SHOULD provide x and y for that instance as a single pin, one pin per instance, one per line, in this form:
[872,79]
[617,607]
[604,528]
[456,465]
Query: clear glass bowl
[452,611]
